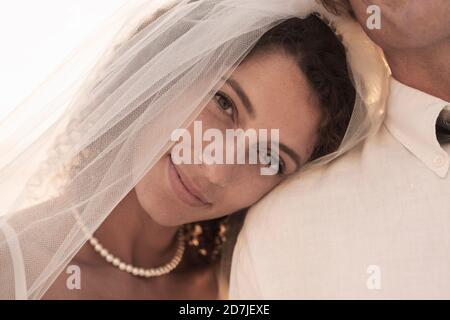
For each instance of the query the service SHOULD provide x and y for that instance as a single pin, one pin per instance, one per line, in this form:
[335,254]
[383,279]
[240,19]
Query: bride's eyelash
[225,98]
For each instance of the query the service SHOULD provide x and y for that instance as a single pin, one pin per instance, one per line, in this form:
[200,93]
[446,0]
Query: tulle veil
[80,142]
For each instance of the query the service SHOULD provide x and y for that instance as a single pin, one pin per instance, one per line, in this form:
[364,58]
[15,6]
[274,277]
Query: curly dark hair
[321,56]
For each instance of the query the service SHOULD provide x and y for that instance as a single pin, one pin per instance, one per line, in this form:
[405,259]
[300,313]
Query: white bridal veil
[84,138]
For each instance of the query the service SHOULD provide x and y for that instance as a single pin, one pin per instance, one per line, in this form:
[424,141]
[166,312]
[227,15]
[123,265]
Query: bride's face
[267,91]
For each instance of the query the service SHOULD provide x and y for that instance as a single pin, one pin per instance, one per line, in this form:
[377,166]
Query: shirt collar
[411,119]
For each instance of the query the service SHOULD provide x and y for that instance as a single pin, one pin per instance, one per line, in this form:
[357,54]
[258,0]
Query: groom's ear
[338,7]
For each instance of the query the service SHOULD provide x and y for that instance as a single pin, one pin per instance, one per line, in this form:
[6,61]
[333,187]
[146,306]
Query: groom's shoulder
[336,189]
[356,170]
[317,181]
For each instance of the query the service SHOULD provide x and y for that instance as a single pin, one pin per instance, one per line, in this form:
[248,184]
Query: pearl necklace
[135,271]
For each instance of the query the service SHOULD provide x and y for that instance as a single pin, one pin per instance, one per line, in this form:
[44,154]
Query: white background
[36,36]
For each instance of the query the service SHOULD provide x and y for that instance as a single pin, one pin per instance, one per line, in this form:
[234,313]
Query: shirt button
[438,161]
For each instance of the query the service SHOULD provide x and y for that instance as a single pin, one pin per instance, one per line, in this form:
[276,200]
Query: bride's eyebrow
[242,95]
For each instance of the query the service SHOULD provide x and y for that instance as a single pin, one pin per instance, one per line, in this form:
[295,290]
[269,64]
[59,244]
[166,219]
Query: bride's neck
[425,69]
[132,235]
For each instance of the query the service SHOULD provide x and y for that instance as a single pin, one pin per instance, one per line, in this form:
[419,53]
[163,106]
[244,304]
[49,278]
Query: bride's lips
[184,189]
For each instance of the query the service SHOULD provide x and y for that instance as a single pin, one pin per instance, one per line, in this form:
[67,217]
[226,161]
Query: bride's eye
[225,103]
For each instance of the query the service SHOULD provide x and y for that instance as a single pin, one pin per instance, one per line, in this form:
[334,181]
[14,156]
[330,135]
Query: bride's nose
[217,174]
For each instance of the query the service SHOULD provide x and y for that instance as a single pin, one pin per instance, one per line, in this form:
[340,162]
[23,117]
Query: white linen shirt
[373,224]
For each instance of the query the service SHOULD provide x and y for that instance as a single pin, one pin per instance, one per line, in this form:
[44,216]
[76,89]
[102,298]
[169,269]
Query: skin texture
[141,229]
[415,37]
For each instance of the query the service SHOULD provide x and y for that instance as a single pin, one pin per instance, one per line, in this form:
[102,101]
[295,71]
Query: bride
[103,211]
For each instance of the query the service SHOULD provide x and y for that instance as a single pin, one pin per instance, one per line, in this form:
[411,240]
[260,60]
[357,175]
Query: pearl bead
[152,272]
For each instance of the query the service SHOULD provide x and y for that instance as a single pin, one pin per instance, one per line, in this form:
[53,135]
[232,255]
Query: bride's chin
[160,210]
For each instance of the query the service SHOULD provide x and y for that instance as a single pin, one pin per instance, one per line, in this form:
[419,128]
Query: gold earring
[207,243]
[219,240]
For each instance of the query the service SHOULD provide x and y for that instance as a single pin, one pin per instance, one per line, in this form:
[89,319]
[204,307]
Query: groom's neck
[426,69]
